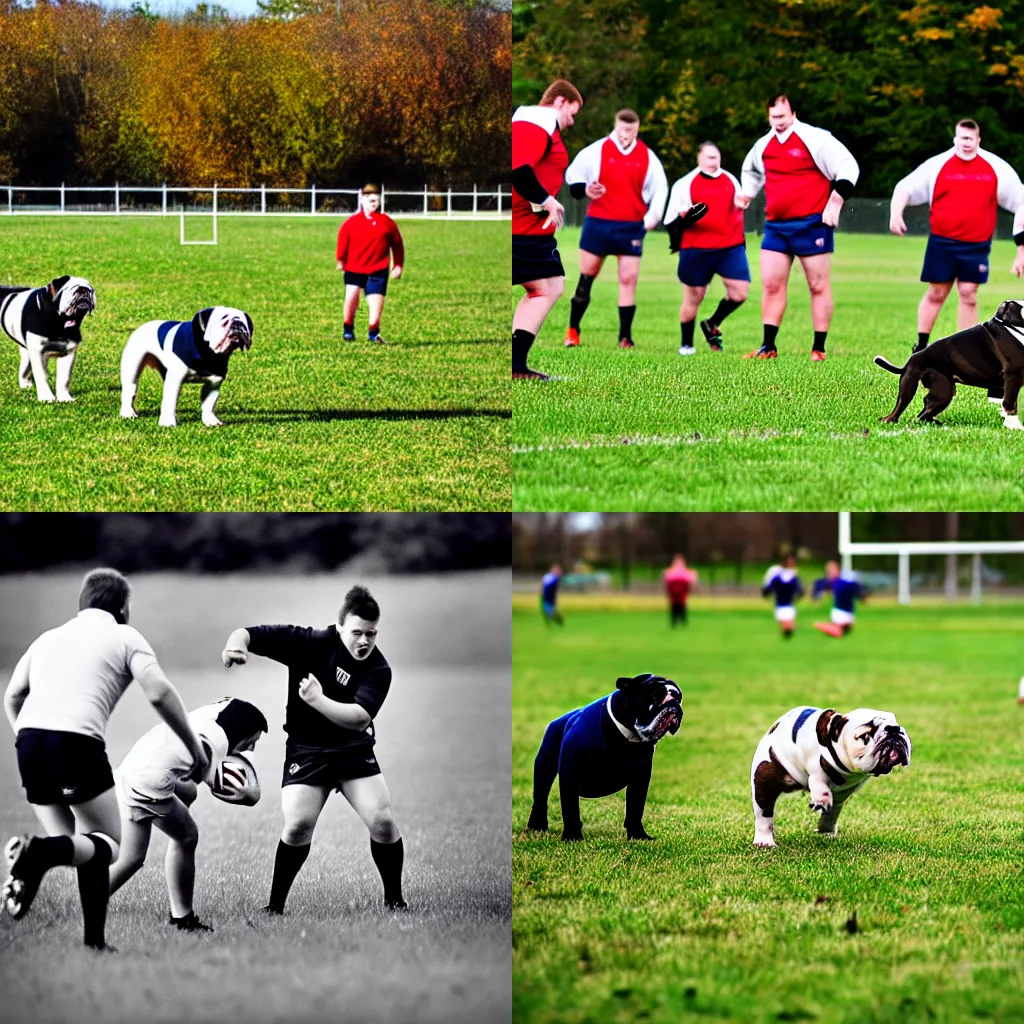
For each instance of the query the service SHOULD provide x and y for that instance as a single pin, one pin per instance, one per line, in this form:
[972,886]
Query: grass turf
[648,429]
[700,924]
[311,423]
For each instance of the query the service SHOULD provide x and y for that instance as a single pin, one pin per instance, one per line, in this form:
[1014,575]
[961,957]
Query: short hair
[969,125]
[780,97]
[560,87]
[704,145]
[239,719]
[369,189]
[628,115]
[358,601]
[106,589]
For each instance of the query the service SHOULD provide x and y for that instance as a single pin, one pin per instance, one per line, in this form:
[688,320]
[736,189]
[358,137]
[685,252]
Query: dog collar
[628,733]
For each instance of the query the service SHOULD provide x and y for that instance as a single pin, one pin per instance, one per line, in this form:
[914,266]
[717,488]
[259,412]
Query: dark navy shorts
[315,766]
[373,284]
[535,257]
[698,266]
[612,237]
[946,259]
[62,767]
[802,236]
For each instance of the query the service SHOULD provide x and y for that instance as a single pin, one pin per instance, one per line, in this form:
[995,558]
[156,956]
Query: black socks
[55,850]
[287,863]
[94,890]
[626,321]
[521,342]
[388,858]
[725,307]
[580,301]
[770,333]
[819,341]
[687,329]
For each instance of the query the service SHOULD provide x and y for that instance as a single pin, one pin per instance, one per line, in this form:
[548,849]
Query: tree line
[411,92]
[889,79]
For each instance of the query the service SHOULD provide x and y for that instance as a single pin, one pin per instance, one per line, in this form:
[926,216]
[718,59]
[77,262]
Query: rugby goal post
[904,549]
[200,241]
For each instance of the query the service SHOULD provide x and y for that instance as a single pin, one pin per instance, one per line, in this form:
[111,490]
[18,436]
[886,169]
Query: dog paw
[1012,423]
[129,414]
[65,398]
[638,834]
[572,837]
[821,802]
[761,839]
[168,423]
[537,824]
[212,422]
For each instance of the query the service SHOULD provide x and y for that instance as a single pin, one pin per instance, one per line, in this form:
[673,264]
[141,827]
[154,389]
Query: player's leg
[731,265]
[775,268]
[100,820]
[818,271]
[180,864]
[693,296]
[967,307]
[939,271]
[528,318]
[590,267]
[375,306]
[371,800]
[785,616]
[928,310]
[352,293]
[629,274]
[302,804]
[135,836]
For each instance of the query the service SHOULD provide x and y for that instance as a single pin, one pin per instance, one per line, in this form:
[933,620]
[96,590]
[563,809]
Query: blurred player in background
[846,589]
[713,245]
[783,583]
[539,160]
[678,581]
[367,243]
[155,786]
[626,185]
[549,595]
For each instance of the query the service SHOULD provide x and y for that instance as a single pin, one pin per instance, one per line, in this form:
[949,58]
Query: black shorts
[535,257]
[315,766]
[62,767]
[373,284]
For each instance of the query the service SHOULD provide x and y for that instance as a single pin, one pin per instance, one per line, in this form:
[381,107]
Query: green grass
[701,925]
[651,430]
[310,422]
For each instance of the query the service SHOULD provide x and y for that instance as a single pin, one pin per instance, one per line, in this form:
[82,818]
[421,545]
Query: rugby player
[337,682]
[807,174]
[58,702]
[368,241]
[846,590]
[539,160]
[963,188]
[626,185]
[782,583]
[678,580]
[549,596]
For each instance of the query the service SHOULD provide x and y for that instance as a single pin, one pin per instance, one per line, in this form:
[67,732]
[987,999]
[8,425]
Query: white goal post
[904,549]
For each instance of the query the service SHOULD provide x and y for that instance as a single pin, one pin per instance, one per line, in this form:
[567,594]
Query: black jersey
[320,652]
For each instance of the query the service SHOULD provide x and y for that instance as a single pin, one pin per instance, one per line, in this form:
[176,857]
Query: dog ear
[836,726]
[248,320]
[57,283]
[626,681]
[199,322]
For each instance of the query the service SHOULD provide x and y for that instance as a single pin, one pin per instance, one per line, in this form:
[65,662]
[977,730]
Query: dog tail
[886,365]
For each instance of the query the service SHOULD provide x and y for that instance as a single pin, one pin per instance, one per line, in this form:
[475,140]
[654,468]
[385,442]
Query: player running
[539,160]
[155,786]
[846,589]
[58,702]
[963,188]
[782,582]
[807,174]
[549,596]
[712,244]
[368,241]
[678,580]
[337,682]
[626,185]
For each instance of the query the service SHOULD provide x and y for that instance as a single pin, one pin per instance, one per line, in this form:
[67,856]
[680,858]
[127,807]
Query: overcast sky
[238,8]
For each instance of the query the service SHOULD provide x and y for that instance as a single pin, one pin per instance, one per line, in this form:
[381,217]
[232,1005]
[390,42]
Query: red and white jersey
[964,194]
[722,226]
[634,178]
[537,142]
[796,169]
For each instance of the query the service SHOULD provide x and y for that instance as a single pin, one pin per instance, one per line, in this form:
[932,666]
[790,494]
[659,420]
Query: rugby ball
[235,781]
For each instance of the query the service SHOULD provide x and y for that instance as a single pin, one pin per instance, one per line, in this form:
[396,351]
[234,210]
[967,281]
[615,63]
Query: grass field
[336,956]
[701,925]
[310,422]
[650,430]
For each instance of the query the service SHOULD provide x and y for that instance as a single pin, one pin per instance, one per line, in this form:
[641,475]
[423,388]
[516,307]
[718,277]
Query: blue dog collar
[801,718]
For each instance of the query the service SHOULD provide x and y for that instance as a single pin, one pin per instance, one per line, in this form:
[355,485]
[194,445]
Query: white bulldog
[829,754]
[47,323]
[195,350]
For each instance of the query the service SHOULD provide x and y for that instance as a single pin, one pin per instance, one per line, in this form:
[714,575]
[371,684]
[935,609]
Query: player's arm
[397,252]
[582,174]
[17,690]
[341,251]
[530,144]
[913,190]
[751,174]
[655,191]
[348,716]
[280,643]
[820,586]
[1010,196]
[236,650]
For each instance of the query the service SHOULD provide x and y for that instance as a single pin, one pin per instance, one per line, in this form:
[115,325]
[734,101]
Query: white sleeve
[832,158]
[655,188]
[138,654]
[920,182]
[587,165]
[752,172]
[679,198]
[1010,195]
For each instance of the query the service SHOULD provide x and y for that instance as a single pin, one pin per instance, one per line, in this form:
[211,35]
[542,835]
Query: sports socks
[819,341]
[922,338]
[687,331]
[287,863]
[521,342]
[770,333]
[94,890]
[626,321]
[580,301]
[374,330]
[725,307]
[55,850]
[388,858]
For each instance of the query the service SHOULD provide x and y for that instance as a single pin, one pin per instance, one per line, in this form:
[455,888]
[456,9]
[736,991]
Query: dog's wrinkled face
[228,329]
[1011,313]
[654,705]
[74,298]
[874,741]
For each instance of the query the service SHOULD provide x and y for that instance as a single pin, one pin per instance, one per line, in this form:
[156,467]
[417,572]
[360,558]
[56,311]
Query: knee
[555,289]
[298,833]
[383,827]
[968,294]
[820,287]
[738,292]
[774,288]
[937,293]
[629,279]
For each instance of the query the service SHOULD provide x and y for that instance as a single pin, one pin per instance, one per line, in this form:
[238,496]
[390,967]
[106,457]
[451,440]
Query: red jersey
[366,243]
[793,187]
[634,179]
[722,226]
[964,200]
[678,582]
[537,143]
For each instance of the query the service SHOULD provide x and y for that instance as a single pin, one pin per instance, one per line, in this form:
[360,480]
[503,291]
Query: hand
[1018,263]
[200,764]
[650,222]
[595,190]
[233,656]
[830,215]
[556,213]
[742,201]
[396,273]
[897,225]
[310,689]
[341,266]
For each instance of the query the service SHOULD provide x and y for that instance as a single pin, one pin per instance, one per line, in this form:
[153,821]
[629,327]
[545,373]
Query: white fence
[167,200]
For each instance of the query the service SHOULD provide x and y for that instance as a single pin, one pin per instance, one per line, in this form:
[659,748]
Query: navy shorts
[803,236]
[698,266]
[373,284]
[946,259]
[62,767]
[315,766]
[535,257]
[612,237]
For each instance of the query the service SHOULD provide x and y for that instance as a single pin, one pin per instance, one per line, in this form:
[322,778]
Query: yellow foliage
[933,33]
[998,69]
[982,19]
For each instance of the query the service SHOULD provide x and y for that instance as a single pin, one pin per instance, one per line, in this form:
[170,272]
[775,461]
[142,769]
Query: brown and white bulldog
[829,754]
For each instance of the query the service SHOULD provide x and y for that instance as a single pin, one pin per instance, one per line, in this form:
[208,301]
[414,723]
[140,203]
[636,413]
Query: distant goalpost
[904,549]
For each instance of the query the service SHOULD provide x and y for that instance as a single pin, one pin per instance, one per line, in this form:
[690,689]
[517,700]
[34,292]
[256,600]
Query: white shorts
[139,806]
[785,613]
[841,618]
